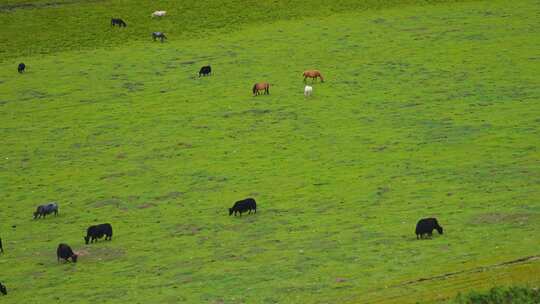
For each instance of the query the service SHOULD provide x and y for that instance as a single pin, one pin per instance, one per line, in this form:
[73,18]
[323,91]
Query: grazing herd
[424,227]
[258,88]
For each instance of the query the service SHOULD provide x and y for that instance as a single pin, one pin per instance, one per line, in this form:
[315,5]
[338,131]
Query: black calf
[64,252]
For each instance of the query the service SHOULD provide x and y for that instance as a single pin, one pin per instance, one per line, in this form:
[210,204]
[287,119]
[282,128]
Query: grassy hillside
[45,26]
[426,111]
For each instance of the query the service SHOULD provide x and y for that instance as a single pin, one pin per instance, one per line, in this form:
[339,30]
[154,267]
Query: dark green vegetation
[500,295]
[426,111]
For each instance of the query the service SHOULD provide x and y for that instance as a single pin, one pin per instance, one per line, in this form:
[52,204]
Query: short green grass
[426,111]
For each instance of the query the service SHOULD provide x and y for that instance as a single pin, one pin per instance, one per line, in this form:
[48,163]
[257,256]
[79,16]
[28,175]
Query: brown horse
[261,86]
[313,74]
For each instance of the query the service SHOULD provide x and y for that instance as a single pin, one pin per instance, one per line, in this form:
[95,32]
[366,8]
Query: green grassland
[427,110]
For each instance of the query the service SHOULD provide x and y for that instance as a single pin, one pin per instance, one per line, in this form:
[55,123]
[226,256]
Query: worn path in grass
[425,112]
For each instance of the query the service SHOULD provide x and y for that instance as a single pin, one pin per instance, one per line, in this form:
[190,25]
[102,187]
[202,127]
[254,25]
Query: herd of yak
[424,227]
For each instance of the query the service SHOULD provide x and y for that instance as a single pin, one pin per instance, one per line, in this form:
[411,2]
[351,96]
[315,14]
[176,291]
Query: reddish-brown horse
[313,74]
[261,86]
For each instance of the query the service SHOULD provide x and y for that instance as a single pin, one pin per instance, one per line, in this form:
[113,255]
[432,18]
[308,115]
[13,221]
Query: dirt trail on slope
[473,270]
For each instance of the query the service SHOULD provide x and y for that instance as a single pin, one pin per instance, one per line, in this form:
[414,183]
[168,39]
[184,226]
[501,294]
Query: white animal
[159,14]
[308,90]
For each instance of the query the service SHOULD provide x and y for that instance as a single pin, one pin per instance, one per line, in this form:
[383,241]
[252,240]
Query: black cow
[65,252]
[242,206]
[44,210]
[118,21]
[426,226]
[21,67]
[93,233]
[160,35]
[1,248]
[3,289]
[205,70]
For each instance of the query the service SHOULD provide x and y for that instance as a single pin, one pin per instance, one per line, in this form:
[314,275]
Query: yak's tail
[254,88]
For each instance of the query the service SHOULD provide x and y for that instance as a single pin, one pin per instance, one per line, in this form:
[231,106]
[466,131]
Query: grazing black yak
[205,70]
[65,252]
[3,289]
[93,233]
[21,67]
[118,21]
[43,210]
[242,206]
[426,226]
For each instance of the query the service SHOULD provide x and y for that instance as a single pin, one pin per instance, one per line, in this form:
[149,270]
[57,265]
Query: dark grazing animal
[65,252]
[242,206]
[205,70]
[118,21]
[21,67]
[3,289]
[160,35]
[426,226]
[261,86]
[93,233]
[44,210]
[1,248]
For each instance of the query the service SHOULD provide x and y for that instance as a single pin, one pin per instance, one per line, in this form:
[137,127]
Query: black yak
[242,206]
[426,226]
[93,233]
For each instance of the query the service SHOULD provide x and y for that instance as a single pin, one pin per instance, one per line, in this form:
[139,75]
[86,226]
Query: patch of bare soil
[170,195]
[497,218]
[102,253]
[146,205]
